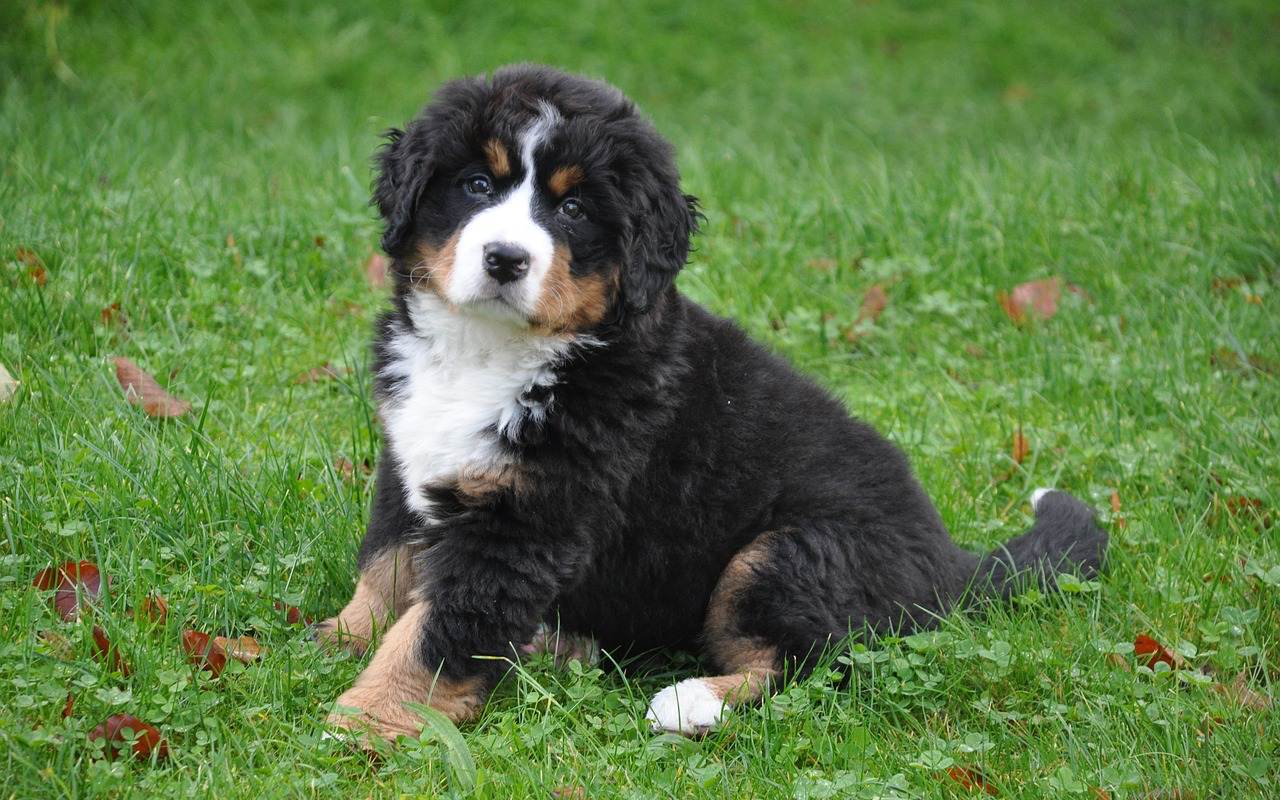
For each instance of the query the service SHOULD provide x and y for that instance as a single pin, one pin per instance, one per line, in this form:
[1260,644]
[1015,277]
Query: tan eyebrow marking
[565,178]
[496,154]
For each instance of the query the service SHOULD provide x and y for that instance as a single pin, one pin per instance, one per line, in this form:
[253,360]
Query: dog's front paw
[334,634]
[564,647]
[689,707]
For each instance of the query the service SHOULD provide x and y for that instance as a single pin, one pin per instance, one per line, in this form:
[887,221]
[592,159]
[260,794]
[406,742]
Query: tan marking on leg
[495,152]
[434,266]
[382,590]
[476,485]
[396,676]
[749,662]
[571,302]
[564,179]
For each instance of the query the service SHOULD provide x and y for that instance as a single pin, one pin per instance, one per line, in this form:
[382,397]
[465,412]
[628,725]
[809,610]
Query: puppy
[572,445]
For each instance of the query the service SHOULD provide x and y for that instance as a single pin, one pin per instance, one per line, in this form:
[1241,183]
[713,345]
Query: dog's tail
[1064,538]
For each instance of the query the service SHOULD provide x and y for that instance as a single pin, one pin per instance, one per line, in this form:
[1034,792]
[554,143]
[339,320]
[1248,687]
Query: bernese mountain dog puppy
[577,454]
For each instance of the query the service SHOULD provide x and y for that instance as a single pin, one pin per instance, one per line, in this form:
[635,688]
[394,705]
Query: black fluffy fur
[670,448]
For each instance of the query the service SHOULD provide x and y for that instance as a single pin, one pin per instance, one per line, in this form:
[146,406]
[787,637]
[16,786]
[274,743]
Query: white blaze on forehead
[510,221]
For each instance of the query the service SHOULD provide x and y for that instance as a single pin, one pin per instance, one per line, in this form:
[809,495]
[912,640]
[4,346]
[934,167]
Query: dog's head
[534,196]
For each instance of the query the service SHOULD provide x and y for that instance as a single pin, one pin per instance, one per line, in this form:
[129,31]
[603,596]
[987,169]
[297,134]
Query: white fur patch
[509,221]
[463,374]
[1038,495]
[688,707]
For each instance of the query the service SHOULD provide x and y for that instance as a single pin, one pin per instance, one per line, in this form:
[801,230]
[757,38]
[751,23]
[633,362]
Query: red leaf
[71,582]
[154,609]
[203,652]
[1034,298]
[292,614]
[112,314]
[109,655]
[971,778]
[375,270]
[147,739]
[69,707]
[142,390]
[1144,645]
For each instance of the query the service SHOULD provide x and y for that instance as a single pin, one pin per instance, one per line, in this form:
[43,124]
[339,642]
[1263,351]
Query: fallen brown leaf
[8,386]
[112,315]
[375,270]
[71,582]
[244,649]
[109,655]
[1144,645]
[35,267]
[324,372]
[154,609]
[1115,510]
[204,652]
[1033,298]
[146,742]
[142,390]
[292,614]
[1239,693]
[1021,447]
[972,779]
[69,707]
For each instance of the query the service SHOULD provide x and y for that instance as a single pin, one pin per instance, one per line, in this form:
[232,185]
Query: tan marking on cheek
[382,590]
[569,302]
[397,676]
[564,179]
[495,152]
[475,485]
[434,266]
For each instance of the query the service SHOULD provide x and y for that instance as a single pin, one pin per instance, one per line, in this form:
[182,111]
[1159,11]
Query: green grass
[945,150]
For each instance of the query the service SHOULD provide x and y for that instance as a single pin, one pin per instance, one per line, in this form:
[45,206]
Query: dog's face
[534,196]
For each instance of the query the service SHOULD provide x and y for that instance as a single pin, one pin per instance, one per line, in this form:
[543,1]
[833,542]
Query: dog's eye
[572,208]
[479,184]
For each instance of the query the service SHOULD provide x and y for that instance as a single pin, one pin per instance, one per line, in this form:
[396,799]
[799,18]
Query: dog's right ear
[404,167]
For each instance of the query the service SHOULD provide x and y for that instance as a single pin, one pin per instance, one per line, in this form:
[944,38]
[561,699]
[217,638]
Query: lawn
[186,185]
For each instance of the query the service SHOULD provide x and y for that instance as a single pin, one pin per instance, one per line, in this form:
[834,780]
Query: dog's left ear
[657,244]
[404,167]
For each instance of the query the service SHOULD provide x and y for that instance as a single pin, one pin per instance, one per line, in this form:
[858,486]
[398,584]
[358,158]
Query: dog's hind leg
[749,664]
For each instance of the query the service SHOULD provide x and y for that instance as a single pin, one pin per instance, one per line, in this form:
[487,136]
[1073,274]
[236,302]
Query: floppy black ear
[404,167]
[658,244]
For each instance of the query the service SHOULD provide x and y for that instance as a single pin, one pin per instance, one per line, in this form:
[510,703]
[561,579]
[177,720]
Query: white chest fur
[460,377]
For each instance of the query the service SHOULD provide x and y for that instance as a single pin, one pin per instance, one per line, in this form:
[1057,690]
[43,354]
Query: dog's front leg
[481,589]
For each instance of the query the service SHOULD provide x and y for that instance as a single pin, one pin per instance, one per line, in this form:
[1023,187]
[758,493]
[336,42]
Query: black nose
[505,262]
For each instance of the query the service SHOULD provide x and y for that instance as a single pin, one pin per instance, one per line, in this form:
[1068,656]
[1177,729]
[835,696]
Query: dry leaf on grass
[69,707]
[244,649]
[35,267]
[1155,653]
[142,390]
[972,779]
[1240,693]
[874,302]
[1021,447]
[109,655]
[70,583]
[115,731]
[8,386]
[204,652]
[324,372]
[154,609]
[375,270]
[292,614]
[1037,299]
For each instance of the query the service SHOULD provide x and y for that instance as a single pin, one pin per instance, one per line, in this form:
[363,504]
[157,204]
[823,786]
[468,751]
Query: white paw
[1038,495]
[688,707]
